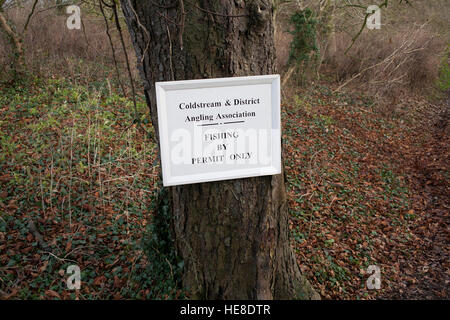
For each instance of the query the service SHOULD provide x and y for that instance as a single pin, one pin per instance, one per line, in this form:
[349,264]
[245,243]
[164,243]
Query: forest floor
[367,185]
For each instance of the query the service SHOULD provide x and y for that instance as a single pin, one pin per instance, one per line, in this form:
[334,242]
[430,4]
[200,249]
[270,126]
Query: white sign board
[219,129]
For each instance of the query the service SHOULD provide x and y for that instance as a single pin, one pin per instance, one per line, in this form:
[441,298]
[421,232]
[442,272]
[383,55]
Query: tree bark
[232,235]
[18,61]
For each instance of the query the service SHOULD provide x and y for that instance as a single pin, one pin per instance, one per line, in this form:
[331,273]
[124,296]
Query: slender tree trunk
[329,26]
[18,59]
[332,45]
[232,235]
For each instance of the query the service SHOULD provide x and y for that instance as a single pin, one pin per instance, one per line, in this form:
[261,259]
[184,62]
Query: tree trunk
[232,235]
[18,59]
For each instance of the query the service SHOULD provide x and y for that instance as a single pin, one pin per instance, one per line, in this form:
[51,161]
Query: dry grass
[388,65]
[403,58]
[52,49]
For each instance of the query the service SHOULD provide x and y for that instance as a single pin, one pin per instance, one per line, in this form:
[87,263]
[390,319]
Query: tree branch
[112,47]
[29,16]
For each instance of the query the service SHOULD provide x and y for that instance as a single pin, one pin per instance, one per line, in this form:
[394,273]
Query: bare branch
[29,16]
[112,47]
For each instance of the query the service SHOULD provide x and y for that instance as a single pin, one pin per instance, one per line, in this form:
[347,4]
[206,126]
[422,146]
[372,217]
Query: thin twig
[133,91]
[30,15]
[112,48]
[143,29]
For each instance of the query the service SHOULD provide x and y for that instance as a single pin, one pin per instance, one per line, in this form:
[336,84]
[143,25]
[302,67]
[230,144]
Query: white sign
[219,129]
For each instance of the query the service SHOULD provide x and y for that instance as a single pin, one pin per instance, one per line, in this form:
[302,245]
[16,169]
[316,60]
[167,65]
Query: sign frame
[162,88]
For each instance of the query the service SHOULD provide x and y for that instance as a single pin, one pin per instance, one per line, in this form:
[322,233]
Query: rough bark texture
[232,235]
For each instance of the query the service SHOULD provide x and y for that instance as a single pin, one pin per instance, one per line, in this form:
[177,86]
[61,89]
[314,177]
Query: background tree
[232,235]
[14,35]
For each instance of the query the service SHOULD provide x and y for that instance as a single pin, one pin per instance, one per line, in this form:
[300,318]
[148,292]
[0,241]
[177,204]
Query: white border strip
[273,168]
